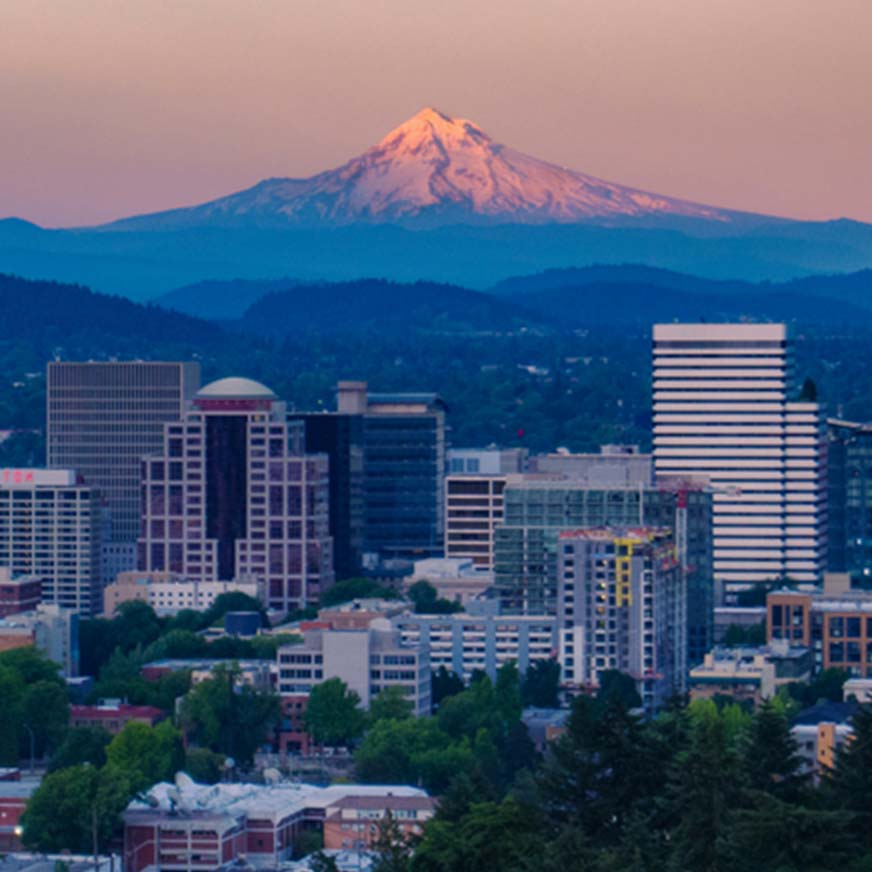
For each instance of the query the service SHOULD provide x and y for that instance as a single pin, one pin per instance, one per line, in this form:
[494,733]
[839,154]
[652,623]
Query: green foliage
[229,716]
[70,804]
[444,684]
[81,745]
[392,850]
[35,705]
[541,685]
[826,685]
[738,635]
[427,601]
[204,766]
[233,601]
[333,714]
[355,588]
[850,783]
[391,704]
[145,755]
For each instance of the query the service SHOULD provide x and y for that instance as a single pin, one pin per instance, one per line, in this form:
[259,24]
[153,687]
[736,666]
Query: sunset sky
[116,107]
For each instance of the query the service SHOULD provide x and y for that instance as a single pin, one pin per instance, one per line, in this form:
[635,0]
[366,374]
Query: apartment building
[622,605]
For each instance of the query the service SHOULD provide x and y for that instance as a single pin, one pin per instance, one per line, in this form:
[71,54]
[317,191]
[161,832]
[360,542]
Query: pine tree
[851,781]
[770,755]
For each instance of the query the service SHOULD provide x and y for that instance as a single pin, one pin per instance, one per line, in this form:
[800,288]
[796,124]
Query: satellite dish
[229,763]
[184,781]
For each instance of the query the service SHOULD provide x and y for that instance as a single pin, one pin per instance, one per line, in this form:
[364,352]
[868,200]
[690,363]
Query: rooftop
[235,388]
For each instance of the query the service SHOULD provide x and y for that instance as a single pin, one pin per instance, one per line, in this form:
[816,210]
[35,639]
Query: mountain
[433,169]
[436,200]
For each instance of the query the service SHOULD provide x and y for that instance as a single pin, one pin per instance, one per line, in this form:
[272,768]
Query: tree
[705,786]
[355,588]
[444,684]
[73,805]
[541,686]
[333,714]
[233,601]
[770,755]
[145,755]
[81,745]
[427,601]
[393,851]
[204,766]
[228,716]
[31,664]
[12,691]
[850,783]
[390,703]
[46,710]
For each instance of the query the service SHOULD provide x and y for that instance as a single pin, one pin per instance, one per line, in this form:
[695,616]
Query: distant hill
[383,306]
[221,300]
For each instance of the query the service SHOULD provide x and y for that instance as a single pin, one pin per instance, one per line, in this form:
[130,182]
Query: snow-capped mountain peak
[434,169]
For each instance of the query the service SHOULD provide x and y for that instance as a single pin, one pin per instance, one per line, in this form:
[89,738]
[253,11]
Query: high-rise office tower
[340,437]
[50,529]
[849,474]
[404,467]
[232,495]
[724,410]
[102,418]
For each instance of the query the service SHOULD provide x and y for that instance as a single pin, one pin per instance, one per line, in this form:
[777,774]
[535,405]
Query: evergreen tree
[850,783]
[770,754]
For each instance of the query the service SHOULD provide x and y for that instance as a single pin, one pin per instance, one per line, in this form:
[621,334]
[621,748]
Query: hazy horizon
[150,104]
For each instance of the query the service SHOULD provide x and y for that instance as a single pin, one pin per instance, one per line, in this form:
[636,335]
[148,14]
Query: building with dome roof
[234,496]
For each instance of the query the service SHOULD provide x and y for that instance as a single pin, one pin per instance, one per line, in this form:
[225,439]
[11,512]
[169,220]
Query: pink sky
[116,107]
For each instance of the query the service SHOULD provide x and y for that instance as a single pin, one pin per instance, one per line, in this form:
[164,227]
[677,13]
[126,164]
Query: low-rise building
[168,593]
[185,826]
[465,643]
[368,661]
[52,629]
[257,673]
[820,731]
[18,593]
[753,674]
[835,622]
[352,822]
[544,725]
[455,579]
[114,715]
[15,793]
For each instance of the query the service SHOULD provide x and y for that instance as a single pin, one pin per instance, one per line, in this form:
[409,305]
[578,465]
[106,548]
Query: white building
[722,412]
[465,644]
[168,593]
[368,661]
[50,527]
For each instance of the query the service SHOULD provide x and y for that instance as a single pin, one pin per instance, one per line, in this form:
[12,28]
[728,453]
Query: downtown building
[538,509]
[622,606]
[102,419]
[723,412]
[232,496]
[50,528]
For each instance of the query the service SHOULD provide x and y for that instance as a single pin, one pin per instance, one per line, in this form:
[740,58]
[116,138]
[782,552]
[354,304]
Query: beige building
[169,593]
[368,661]
[52,629]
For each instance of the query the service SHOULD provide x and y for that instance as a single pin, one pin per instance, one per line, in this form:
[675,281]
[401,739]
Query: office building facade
[849,499]
[622,605]
[102,419]
[232,496]
[722,412]
[404,467]
[50,528]
[473,510]
[340,437]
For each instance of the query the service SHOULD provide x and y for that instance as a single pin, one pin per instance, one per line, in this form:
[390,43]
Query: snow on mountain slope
[435,169]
